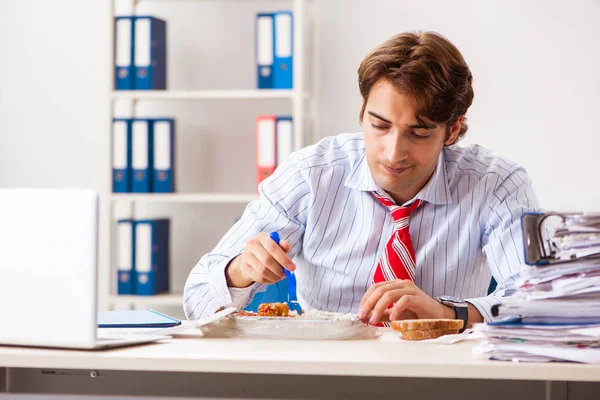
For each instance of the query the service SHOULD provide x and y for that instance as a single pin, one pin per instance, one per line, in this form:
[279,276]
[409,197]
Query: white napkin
[395,336]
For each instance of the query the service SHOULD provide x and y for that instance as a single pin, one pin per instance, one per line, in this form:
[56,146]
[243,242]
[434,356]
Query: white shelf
[169,299]
[206,94]
[302,101]
[186,197]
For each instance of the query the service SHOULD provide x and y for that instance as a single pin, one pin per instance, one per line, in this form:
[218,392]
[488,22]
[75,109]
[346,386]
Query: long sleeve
[503,239]
[284,198]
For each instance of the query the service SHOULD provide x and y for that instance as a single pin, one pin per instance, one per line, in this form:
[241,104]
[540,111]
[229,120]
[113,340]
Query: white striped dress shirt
[321,200]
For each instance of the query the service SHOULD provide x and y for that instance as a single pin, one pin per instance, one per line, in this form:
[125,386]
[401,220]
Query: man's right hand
[261,262]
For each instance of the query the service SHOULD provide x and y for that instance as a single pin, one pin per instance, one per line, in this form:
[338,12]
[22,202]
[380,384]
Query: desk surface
[342,358]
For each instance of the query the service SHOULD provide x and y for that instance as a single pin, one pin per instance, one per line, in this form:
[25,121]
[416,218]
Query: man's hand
[410,302]
[261,261]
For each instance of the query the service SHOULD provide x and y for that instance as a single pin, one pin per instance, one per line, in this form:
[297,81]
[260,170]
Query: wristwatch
[461,308]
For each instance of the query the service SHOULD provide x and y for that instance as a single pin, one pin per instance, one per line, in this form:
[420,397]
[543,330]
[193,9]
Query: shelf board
[203,94]
[169,299]
[219,198]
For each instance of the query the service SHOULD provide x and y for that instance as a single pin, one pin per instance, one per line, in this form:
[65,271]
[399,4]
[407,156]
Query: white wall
[535,67]
[534,64]
[54,95]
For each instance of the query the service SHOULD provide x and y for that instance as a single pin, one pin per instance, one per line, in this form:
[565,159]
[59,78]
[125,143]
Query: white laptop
[49,270]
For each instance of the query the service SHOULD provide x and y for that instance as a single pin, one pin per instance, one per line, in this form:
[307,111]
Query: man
[387,222]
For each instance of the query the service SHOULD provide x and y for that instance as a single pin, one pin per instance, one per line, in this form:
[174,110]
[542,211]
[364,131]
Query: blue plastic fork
[291,278]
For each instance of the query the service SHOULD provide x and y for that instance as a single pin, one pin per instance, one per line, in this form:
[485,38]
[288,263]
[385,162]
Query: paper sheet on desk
[189,328]
[394,336]
[523,351]
[186,329]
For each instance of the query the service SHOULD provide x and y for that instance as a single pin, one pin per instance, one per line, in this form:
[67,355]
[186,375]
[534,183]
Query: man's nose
[395,148]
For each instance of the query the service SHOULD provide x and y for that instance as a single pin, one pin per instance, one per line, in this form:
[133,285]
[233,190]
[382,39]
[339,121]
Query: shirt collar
[435,191]
[360,176]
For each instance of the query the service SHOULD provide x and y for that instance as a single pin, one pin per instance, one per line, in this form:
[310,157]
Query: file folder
[285,138]
[265,49]
[121,155]
[124,250]
[284,50]
[266,147]
[124,70]
[150,54]
[551,238]
[151,260]
[141,155]
[163,165]
[135,319]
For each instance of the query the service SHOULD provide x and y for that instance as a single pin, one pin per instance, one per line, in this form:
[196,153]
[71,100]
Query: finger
[395,284]
[369,293]
[375,292]
[385,300]
[385,317]
[401,307]
[285,245]
[275,250]
[259,271]
[250,273]
[265,258]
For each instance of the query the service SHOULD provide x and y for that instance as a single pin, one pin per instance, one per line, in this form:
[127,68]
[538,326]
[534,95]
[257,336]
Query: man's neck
[401,198]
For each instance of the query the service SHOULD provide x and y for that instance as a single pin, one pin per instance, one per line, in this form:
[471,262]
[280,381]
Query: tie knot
[399,213]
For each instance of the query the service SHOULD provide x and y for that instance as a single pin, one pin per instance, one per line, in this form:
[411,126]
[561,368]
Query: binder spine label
[123,54]
[120,163]
[163,157]
[125,257]
[265,48]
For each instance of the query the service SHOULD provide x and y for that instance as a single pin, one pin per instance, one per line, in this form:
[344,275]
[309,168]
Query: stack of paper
[515,340]
[578,237]
[555,313]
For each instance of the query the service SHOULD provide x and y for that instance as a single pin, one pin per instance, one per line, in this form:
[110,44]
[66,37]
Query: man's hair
[425,66]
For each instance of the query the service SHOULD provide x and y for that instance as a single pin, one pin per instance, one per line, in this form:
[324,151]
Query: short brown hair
[426,66]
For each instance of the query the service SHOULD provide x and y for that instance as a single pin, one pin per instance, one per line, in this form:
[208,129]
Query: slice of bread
[427,324]
[427,334]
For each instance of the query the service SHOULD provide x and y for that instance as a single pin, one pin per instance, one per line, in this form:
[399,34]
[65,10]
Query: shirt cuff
[240,297]
[484,306]
[231,296]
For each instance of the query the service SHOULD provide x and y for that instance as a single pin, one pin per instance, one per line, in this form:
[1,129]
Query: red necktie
[398,258]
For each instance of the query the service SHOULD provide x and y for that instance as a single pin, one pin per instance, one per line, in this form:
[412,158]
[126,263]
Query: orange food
[246,314]
[273,310]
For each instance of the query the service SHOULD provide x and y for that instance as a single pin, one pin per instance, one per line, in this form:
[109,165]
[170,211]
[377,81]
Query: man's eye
[417,136]
[379,127]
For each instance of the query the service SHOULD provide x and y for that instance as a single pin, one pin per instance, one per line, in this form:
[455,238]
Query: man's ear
[454,131]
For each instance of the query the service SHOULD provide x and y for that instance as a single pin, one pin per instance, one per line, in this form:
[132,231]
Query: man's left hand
[409,302]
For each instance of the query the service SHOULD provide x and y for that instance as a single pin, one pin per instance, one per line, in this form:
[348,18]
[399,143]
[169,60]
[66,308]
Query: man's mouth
[393,170]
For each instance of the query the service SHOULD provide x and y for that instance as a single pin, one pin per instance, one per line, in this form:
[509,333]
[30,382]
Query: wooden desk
[264,368]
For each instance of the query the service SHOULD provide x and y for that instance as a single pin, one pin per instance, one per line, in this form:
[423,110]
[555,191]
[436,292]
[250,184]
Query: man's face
[402,154]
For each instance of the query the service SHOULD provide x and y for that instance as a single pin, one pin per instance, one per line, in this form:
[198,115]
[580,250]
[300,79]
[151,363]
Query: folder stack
[142,249]
[555,313]
[143,155]
[274,143]
[140,53]
[275,50]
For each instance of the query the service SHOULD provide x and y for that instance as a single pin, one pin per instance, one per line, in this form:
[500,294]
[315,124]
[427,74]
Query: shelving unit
[205,94]
[128,301]
[302,100]
[221,198]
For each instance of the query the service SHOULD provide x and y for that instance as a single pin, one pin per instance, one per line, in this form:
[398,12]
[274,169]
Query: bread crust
[427,324]
[427,334]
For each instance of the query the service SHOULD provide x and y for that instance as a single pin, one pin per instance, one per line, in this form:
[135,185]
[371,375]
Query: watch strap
[462,312]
